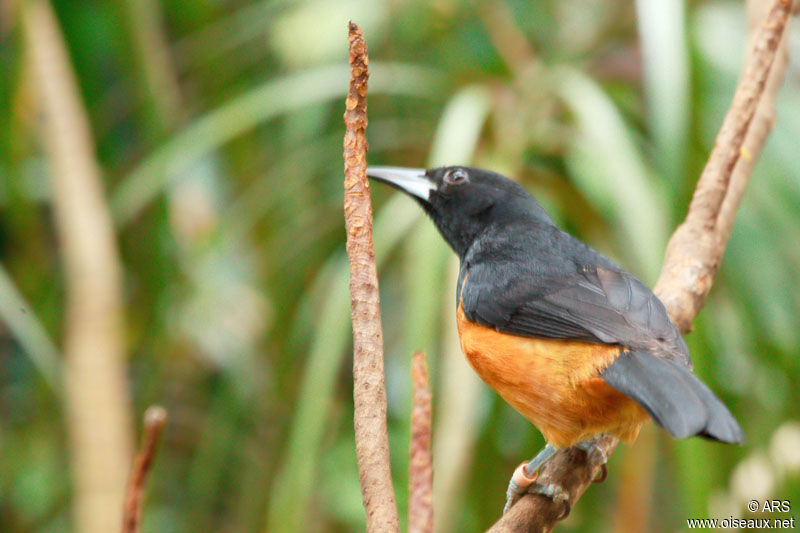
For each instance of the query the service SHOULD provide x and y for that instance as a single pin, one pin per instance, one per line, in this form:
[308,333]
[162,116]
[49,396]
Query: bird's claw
[603,474]
[597,456]
[550,490]
[555,493]
[525,475]
[519,485]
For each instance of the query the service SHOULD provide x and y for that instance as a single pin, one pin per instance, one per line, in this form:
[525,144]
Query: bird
[576,344]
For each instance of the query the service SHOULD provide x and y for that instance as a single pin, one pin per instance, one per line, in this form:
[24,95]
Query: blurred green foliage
[218,125]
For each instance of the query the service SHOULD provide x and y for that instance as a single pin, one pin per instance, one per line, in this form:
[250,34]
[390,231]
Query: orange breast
[555,384]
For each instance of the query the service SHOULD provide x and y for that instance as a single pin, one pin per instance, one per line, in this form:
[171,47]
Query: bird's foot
[521,483]
[555,493]
[518,485]
[596,455]
[525,475]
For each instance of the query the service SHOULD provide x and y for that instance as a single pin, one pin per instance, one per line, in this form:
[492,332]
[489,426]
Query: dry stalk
[369,388]
[155,419]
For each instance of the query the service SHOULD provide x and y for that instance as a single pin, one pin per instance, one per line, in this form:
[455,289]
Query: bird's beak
[411,180]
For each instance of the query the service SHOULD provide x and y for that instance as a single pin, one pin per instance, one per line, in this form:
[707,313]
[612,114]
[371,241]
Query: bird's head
[464,202]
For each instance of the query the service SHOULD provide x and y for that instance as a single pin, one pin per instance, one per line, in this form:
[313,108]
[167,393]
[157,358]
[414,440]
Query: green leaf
[244,112]
[605,164]
[662,33]
[26,327]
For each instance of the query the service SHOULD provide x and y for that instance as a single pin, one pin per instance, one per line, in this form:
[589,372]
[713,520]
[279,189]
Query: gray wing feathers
[593,304]
[673,397]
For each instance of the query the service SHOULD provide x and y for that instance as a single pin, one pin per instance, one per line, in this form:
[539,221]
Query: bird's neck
[504,240]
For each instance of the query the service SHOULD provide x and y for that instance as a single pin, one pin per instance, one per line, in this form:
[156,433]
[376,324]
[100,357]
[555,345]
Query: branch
[420,470]
[570,469]
[155,419]
[369,388]
[695,249]
[95,384]
[761,126]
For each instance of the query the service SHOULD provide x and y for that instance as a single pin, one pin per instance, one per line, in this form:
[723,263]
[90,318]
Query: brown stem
[155,419]
[369,388]
[695,249]
[420,470]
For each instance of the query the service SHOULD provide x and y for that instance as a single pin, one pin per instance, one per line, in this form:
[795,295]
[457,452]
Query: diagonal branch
[695,249]
[760,128]
[369,388]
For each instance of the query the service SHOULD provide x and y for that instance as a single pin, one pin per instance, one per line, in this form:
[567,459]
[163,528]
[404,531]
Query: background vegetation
[218,128]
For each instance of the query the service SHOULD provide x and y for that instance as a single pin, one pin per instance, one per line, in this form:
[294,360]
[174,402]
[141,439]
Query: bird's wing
[591,303]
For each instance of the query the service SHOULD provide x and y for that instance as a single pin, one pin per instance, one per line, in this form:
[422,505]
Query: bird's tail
[673,396]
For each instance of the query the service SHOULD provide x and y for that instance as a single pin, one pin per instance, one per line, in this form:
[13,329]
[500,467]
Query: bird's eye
[455,176]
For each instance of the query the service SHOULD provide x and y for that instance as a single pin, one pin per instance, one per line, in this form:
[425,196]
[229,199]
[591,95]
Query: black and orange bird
[576,344]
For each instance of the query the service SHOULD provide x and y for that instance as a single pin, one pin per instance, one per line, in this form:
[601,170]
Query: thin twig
[694,251]
[369,388]
[420,468]
[155,419]
[98,421]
